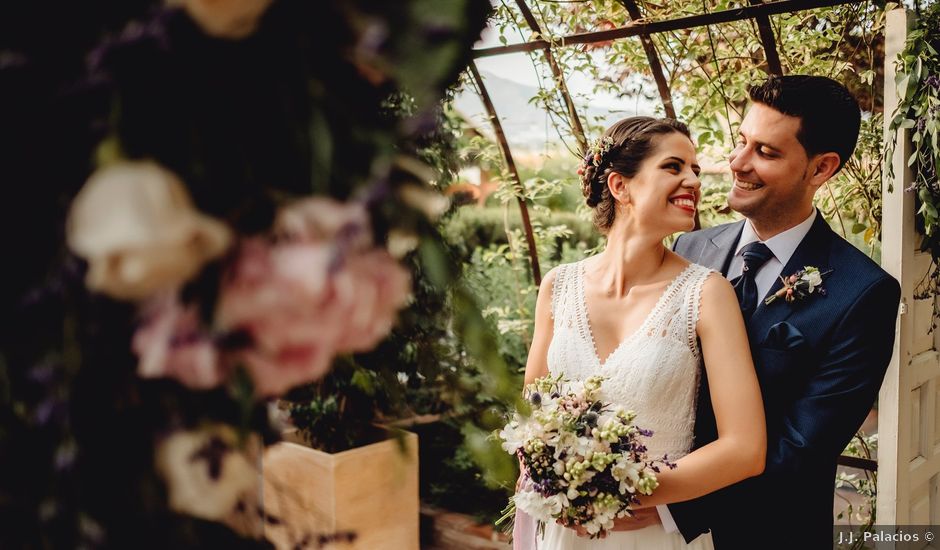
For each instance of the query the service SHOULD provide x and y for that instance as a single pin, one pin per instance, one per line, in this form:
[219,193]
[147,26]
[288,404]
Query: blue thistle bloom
[591,419]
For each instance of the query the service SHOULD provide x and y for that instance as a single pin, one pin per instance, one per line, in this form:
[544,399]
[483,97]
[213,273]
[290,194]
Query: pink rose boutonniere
[800,285]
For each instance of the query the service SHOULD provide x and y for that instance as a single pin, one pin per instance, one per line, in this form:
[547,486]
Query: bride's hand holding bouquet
[583,461]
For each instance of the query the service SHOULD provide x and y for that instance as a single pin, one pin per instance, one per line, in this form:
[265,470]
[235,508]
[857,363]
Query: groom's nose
[739,159]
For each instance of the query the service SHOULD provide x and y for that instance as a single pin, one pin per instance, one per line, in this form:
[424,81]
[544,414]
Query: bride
[646,320]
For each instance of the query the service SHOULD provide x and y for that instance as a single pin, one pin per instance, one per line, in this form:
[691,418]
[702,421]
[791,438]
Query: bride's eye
[673,166]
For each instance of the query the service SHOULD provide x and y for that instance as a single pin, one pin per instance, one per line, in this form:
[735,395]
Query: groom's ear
[617,185]
[822,167]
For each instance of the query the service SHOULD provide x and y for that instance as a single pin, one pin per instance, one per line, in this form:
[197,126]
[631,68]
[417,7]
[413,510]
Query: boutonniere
[800,285]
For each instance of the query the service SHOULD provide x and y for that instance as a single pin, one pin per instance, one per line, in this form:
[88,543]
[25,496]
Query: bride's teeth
[684,202]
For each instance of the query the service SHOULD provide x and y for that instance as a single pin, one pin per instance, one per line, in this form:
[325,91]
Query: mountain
[527,125]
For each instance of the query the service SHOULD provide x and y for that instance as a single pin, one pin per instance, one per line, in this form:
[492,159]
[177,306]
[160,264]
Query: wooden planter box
[370,491]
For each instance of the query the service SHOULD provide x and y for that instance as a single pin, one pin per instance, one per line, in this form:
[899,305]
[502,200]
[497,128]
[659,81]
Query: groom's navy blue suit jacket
[820,362]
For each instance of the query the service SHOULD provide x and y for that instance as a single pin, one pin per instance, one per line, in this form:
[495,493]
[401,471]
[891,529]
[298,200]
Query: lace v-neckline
[588,330]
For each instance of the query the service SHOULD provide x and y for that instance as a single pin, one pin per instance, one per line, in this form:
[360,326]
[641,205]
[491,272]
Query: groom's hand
[644,517]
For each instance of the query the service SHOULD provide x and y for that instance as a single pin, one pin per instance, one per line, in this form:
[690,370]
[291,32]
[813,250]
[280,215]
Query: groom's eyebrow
[760,143]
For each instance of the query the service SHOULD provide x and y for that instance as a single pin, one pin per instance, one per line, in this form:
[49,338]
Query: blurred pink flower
[371,288]
[277,296]
[171,343]
[322,290]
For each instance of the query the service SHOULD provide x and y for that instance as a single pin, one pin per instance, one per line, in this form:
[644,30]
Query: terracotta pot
[369,492]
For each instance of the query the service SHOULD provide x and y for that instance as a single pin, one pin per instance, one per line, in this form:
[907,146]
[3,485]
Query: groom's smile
[747,185]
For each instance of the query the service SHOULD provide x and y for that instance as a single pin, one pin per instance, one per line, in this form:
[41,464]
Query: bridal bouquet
[583,461]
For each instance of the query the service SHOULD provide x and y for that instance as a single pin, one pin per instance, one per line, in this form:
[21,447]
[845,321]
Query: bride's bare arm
[536,365]
[741,447]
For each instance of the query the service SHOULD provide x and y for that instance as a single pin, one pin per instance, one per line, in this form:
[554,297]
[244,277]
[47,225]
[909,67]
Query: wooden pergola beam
[768,41]
[652,58]
[513,171]
[559,78]
[692,21]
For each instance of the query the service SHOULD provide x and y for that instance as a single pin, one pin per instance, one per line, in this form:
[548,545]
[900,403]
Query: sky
[527,127]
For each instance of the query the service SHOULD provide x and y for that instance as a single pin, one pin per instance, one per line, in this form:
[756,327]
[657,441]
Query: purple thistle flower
[65,457]
[933,81]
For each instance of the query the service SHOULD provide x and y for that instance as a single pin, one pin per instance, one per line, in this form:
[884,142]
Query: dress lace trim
[584,321]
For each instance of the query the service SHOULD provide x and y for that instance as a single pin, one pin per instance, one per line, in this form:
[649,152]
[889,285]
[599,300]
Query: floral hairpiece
[595,153]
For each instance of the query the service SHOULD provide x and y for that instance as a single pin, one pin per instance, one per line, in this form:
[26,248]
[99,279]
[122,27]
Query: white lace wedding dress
[654,372]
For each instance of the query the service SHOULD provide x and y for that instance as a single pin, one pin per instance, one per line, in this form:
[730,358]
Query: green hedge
[470,227]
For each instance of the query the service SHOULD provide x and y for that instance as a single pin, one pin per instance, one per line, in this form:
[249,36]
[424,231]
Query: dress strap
[693,302]
[558,288]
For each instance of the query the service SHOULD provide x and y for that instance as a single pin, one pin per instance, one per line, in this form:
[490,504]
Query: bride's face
[662,197]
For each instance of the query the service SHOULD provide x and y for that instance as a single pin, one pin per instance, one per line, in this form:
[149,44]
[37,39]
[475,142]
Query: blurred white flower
[205,471]
[322,220]
[136,226]
[231,19]
[400,243]
[426,199]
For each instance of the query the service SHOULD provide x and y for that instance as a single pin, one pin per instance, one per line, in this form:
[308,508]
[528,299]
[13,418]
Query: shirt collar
[784,244]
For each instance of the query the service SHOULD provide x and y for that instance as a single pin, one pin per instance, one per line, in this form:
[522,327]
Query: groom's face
[769,166]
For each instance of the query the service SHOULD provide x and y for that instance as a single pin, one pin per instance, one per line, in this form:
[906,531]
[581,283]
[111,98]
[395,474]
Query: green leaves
[916,119]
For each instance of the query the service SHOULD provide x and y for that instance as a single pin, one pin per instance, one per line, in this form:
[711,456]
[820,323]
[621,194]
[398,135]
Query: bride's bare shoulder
[719,304]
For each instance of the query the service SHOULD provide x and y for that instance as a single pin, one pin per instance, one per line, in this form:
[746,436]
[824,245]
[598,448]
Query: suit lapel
[813,250]
[717,251]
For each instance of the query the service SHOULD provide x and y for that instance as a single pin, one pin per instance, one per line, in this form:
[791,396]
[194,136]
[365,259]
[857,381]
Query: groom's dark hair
[829,116]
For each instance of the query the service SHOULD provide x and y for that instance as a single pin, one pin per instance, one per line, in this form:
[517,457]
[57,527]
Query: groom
[820,359]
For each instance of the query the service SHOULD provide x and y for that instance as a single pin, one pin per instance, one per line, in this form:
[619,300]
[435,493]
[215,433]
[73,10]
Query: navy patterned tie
[755,255]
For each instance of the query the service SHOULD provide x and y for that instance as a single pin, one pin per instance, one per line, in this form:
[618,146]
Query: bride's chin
[684,227]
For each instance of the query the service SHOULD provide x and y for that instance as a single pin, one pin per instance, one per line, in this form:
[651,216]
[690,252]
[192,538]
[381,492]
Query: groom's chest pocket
[783,359]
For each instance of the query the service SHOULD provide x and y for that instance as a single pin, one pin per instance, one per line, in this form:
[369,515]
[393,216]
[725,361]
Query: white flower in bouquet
[135,224]
[541,507]
[583,461]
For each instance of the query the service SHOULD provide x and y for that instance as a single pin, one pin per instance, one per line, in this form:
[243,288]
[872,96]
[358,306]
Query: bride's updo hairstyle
[621,149]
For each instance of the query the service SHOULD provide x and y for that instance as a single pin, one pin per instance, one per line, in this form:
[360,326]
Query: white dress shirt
[783,245]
